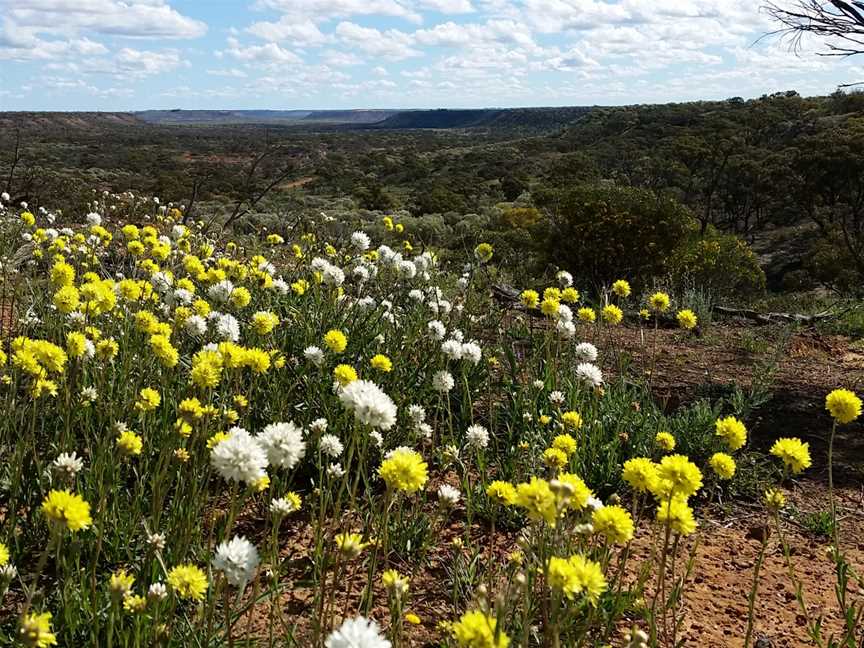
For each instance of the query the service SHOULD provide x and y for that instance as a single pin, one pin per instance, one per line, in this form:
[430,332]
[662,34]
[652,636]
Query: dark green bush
[721,263]
[603,232]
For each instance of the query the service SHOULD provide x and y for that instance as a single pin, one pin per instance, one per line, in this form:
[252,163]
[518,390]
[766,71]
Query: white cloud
[453,34]
[301,32]
[36,49]
[64,85]
[341,59]
[411,52]
[229,73]
[133,18]
[552,16]
[267,54]
[392,45]
[448,6]
[323,10]
[141,63]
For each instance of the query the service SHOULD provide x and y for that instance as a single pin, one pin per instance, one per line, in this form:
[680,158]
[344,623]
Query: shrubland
[271,434]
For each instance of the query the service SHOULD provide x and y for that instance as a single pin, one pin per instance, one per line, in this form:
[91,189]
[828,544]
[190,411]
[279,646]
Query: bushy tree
[603,231]
[721,263]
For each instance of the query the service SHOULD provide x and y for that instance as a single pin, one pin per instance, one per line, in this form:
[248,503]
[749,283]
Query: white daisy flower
[448,496]
[330,446]
[357,633]
[239,458]
[237,559]
[477,436]
[283,443]
[443,381]
[371,406]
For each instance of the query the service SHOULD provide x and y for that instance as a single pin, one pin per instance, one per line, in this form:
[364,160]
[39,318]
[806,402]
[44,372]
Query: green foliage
[602,232]
[721,263]
[830,263]
[438,200]
[521,217]
[374,196]
[742,167]
[819,523]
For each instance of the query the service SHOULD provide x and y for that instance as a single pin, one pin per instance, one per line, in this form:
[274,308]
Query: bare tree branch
[836,20]
[16,158]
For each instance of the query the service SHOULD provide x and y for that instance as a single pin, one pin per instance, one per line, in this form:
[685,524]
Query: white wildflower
[221,292]
[357,633]
[417,414]
[406,270]
[282,506]
[477,436]
[283,443]
[585,352]
[565,279]
[183,296]
[156,541]
[436,329]
[330,446]
[333,276]
[472,352]
[594,503]
[360,241]
[281,286]
[68,464]
[452,349]
[448,496]
[371,406]
[443,381]
[589,374]
[237,559]
[314,355]
[195,325]
[227,327]
[566,329]
[239,458]
[157,592]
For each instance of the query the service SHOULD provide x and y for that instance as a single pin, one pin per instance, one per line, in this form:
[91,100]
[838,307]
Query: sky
[124,55]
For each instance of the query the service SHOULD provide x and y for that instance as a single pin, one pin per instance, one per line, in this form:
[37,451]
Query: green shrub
[522,217]
[830,263]
[603,232]
[721,263]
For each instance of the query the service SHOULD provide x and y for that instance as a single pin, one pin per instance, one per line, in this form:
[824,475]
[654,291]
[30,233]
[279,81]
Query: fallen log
[508,297]
[772,318]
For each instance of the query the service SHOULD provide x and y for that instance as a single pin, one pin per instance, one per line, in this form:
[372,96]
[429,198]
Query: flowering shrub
[183,409]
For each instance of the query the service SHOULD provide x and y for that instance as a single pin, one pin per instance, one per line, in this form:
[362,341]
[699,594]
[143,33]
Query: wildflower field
[311,438]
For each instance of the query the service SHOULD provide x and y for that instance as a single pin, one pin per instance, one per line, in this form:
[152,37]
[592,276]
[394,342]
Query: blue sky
[318,54]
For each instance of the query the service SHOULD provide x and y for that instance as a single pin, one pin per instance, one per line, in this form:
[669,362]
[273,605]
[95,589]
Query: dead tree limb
[772,318]
[16,159]
[834,19]
[252,191]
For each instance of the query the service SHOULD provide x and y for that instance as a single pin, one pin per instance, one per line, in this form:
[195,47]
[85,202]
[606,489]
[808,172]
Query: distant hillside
[533,119]
[526,119]
[349,116]
[273,117]
[49,122]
